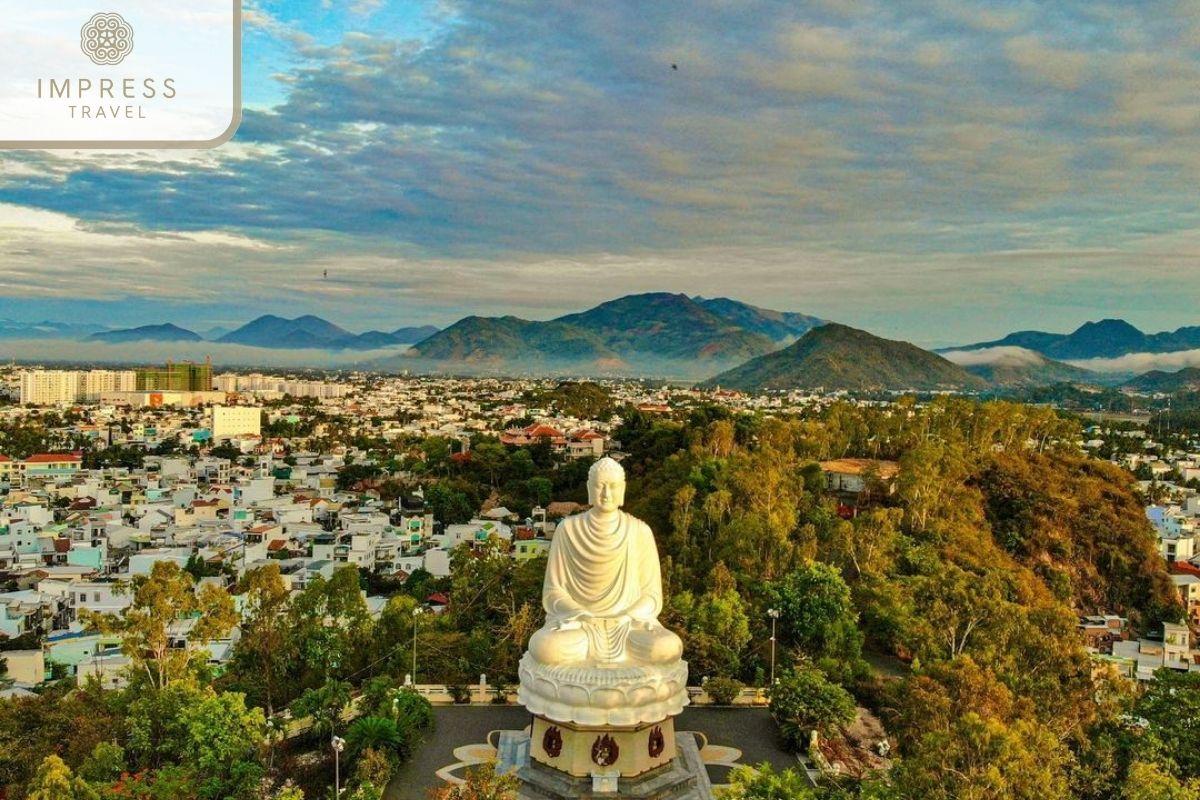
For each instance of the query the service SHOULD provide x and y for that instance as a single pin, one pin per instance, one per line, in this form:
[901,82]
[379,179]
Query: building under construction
[184,376]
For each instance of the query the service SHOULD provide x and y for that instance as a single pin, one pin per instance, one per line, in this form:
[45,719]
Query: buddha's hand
[573,621]
[640,624]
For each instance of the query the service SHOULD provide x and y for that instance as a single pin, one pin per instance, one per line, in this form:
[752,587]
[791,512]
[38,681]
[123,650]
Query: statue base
[583,751]
[647,762]
[613,696]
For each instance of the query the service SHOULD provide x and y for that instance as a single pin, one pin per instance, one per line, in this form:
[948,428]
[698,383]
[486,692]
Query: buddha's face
[606,492]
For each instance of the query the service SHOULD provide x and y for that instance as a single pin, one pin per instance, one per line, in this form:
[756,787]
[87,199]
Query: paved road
[750,730]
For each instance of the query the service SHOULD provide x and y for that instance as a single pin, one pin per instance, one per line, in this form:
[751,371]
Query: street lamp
[338,744]
[417,612]
[773,613]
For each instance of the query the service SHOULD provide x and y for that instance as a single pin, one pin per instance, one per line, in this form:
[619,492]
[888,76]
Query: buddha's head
[606,485]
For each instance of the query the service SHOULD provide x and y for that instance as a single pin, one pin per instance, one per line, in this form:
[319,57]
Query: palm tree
[378,733]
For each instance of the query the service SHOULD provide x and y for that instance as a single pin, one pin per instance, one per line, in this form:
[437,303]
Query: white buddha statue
[603,589]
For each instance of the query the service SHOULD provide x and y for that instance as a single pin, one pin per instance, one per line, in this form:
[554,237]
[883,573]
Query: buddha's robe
[602,595]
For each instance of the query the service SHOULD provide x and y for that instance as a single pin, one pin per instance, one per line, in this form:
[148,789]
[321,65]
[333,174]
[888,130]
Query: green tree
[262,653]
[981,759]
[1152,782]
[55,781]
[803,700]
[817,615]
[1171,706]
[160,599]
[104,764]
[325,706]
[761,782]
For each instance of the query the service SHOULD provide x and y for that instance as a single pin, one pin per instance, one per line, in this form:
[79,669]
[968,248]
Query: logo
[657,743]
[106,38]
[552,742]
[605,751]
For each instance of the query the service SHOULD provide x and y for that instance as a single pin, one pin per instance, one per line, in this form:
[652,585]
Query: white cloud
[1143,362]
[997,356]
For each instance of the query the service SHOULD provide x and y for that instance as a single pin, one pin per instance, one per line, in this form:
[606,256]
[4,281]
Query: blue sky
[931,170]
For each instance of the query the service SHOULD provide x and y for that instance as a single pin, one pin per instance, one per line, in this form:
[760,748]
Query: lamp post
[338,744]
[773,613]
[417,612]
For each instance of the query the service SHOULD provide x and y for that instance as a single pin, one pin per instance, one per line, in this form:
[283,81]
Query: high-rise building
[227,383]
[97,381]
[184,376]
[48,387]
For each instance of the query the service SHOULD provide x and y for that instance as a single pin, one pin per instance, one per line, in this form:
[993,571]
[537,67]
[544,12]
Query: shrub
[723,691]
[374,767]
[805,700]
[460,692]
[412,711]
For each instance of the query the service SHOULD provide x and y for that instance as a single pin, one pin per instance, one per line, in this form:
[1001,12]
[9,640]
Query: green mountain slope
[668,326]
[1186,379]
[778,326]
[1015,367]
[511,339]
[839,357]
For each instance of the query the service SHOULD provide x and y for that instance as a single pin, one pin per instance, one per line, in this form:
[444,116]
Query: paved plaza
[460,738]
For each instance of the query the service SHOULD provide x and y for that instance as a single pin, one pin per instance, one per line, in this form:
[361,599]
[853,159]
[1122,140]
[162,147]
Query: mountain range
[147,333]
[665,334]
[1186,379]
[836,357]
[277,333]
[309,332]
[657,330]
[1014,367]
[1108,338]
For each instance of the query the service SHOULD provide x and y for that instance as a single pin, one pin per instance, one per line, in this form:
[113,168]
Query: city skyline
[932,173]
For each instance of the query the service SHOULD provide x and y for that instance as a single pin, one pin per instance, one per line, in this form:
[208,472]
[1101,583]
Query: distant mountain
[414,334]
[496,340]
[1187,379]
[1108,338]
[668,326]
[836,357]
[166,332]
[215,333]
[655,332]
[1012,367]
[309,332]
[778,326]
[10,329]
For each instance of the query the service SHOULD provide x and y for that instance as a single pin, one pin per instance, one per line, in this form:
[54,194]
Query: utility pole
[773,613]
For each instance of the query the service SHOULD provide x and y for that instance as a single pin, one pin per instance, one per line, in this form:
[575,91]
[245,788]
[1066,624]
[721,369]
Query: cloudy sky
[928,169]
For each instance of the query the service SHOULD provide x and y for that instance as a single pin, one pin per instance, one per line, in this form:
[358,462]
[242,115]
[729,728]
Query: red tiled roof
[438,598]
[48,458]
[537,431]
[277,544]
[1184,568]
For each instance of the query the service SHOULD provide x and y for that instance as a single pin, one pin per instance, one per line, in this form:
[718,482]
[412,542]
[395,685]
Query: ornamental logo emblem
[605,751]
[657,743]
[106,38]
[552,742]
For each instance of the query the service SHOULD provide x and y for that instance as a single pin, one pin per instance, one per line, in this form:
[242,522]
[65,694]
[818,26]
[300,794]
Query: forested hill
[972,571]
[837,357]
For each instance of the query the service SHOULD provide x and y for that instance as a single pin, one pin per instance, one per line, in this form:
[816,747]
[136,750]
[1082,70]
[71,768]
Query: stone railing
[485,694]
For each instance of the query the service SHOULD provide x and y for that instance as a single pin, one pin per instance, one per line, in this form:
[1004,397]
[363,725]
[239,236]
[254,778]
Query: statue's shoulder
[635,524]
